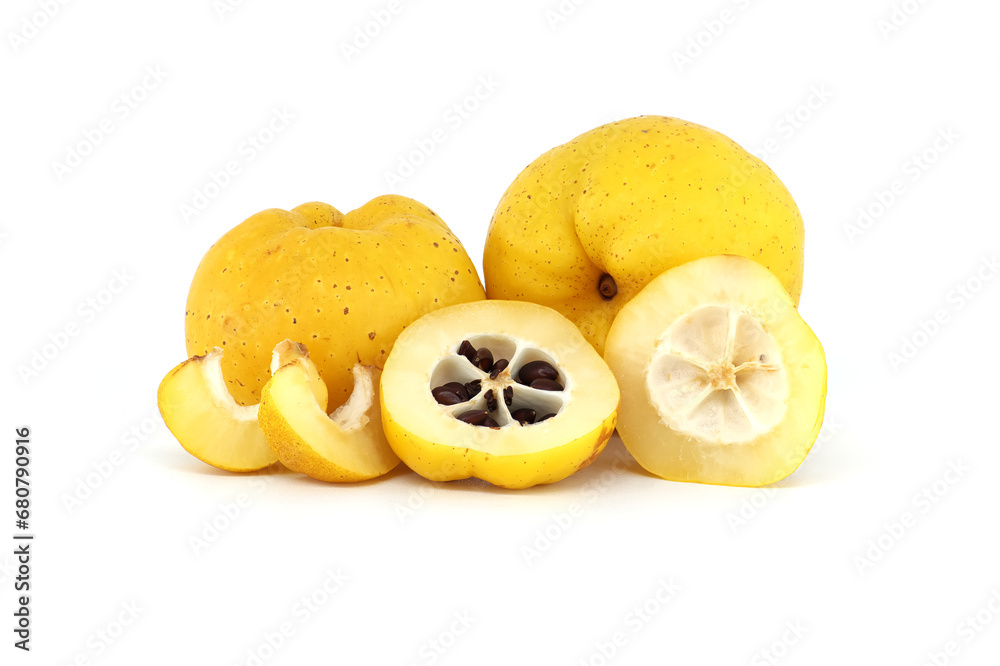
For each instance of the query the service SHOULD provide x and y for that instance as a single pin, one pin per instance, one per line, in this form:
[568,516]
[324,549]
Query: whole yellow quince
[344,285]
[590,223]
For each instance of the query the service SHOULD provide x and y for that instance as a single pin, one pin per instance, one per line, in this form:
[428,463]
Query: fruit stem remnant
[607,286]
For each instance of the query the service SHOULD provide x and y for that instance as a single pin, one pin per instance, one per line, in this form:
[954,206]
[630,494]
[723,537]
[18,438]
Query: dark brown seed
[458,389]
[546,417]
[498,367]
[607,287]
[529,372]
[490,423]
[546,385]
[483,359]
[467,350]
[508,395]
[446,397]
[491,401]
[524,416]
[473,417]
[474,387]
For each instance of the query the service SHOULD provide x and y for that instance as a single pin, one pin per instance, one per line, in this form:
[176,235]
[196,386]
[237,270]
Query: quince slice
[347,445]
[722,381]
[206,420]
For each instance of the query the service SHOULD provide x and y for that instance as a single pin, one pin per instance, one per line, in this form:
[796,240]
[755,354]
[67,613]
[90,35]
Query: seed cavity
[518,375]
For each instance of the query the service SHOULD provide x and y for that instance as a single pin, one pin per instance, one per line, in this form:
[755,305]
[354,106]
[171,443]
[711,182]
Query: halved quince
[201,413]
[508,392]
[347,445]
[722,381]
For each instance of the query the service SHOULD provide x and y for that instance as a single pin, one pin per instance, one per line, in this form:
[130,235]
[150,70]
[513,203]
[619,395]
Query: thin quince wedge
[346,445]
[201,413]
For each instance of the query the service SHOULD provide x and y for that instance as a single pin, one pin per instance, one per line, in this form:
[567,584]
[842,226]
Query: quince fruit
[590,223]
[345,285]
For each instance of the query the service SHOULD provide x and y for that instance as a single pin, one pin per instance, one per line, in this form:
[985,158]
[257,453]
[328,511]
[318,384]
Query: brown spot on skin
[346,310]
[371,336]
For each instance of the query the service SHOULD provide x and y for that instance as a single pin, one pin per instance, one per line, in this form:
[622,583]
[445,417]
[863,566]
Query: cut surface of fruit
[202,415]
[504,391]
[206,420]
[347,445]
[722,381]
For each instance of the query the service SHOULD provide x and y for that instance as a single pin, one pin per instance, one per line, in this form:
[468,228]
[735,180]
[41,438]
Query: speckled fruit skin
[345,285]
[633,199]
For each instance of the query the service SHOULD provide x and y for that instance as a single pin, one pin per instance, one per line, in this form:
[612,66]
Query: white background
[824,551]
